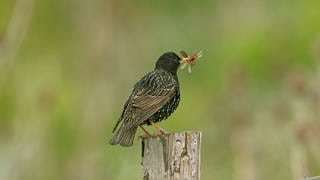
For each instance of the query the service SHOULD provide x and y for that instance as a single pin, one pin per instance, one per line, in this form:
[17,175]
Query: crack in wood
[164,143]
[172,157]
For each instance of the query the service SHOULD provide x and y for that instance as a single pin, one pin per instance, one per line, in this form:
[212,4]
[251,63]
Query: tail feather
[124,137]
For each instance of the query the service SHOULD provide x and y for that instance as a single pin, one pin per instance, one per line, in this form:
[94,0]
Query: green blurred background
[67,67]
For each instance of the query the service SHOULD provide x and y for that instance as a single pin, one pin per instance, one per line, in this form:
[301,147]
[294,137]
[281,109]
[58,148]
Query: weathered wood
[175,156]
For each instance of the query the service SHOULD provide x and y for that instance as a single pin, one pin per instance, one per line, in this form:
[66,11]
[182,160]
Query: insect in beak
[183,60]
[189,61]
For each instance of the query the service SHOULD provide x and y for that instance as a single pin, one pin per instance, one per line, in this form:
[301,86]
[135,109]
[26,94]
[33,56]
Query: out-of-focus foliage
[67,67]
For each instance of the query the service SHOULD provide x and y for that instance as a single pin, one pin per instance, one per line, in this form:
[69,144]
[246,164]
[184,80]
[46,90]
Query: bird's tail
[124,137]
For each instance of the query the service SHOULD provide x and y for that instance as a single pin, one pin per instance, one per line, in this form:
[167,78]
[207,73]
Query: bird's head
[169,61]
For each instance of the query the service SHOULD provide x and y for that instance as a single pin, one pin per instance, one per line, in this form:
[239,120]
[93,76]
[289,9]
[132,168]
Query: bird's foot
[146,133]
[161,130]
[163,134]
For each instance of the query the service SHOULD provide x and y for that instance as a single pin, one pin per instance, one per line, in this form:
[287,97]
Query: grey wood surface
[174,156]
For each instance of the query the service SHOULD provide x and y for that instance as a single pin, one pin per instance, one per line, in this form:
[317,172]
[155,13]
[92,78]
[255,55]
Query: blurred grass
[67,70]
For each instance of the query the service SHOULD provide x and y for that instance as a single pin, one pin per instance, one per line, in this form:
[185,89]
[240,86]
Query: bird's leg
[162,131]
[146,133]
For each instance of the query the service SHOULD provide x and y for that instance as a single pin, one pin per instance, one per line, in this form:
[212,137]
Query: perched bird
[154,98]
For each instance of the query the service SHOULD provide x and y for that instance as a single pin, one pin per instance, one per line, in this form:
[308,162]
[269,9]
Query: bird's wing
[121,117]
[146,105]
[148,96]
[148,101]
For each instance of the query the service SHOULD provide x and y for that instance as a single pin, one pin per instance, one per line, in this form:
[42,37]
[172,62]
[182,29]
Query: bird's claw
[163,133]
[146,133]
[145,136]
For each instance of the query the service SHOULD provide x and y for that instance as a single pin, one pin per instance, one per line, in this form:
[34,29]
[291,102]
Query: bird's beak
[185,59]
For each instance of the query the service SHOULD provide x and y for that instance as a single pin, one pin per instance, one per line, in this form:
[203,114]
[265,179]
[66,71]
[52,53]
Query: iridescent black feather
[154,97]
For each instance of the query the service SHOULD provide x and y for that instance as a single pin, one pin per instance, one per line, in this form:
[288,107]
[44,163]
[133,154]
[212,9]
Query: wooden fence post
[175,156]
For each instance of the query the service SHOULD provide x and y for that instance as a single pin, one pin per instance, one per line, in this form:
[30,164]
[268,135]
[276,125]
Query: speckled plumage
[154,97]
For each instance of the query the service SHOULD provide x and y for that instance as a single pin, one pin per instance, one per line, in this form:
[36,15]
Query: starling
[154,98]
